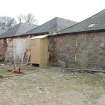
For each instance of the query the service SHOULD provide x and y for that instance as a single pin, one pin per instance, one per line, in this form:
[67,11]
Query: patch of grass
[4,73]
[94,80]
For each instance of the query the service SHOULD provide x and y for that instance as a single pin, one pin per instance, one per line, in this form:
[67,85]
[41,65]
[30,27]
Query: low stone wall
[86,50]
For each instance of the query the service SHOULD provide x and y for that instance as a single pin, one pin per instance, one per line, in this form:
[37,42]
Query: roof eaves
[23,35]
[72,33]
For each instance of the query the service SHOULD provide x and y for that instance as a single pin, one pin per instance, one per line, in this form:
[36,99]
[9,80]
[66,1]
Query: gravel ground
[52,87]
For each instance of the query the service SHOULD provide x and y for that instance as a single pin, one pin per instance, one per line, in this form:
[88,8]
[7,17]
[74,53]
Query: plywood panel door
[35,51]
[44,52]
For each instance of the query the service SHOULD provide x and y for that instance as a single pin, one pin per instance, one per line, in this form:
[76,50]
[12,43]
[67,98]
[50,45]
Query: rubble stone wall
[84,50]
[15,49]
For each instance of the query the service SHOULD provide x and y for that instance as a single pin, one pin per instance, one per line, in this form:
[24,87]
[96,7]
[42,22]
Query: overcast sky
[44,10]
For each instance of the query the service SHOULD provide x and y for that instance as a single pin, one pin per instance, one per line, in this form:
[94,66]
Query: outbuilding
[81,45]
[40,44]
[25,43]
[39,50]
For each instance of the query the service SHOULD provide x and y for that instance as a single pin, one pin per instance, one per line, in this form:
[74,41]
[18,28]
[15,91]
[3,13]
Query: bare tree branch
[29,18]
[6,23]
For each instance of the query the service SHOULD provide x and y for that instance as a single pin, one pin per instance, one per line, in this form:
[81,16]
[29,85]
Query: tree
[6,23]
[29,18]
[20,18]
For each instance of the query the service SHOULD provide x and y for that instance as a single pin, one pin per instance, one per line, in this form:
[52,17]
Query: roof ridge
[66,19]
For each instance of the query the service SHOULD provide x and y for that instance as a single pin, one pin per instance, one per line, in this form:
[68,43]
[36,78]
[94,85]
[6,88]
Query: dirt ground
[51,86]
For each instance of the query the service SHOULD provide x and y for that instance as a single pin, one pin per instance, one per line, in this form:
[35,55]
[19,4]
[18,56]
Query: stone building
[70,44]
[81,45]
[15,43]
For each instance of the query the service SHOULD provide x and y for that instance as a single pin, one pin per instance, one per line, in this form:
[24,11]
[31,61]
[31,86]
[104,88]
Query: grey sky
[44,10]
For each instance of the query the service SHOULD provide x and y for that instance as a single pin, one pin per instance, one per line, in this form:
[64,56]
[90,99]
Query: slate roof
[95,22]
[2,30]
[17,30]
[52,26]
